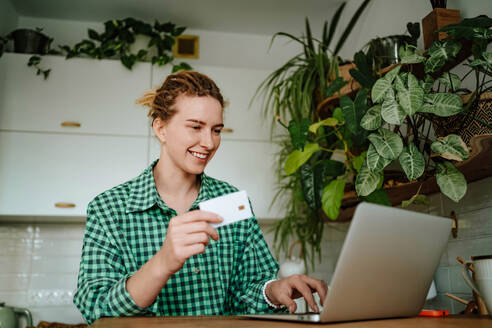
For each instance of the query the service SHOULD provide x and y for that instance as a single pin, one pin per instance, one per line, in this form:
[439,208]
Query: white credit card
[231,207]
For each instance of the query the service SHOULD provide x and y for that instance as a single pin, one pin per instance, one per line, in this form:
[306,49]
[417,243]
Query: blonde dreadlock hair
[161,100]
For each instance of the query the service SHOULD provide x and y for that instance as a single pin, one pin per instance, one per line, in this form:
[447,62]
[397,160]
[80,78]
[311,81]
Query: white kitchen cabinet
[237,86]
[98,94]
[247,165]
[38,170]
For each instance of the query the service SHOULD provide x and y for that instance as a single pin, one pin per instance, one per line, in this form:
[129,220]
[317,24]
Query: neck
[174,182]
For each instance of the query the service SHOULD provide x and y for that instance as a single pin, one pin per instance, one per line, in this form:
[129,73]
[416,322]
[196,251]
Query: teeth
[198,155]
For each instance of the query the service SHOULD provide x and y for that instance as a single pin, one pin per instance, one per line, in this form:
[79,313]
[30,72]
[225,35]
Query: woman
[149,251]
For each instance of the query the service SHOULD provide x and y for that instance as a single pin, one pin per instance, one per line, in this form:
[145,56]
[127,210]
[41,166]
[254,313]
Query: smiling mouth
[201,156]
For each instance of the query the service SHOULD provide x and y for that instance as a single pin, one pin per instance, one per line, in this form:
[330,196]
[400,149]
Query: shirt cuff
[121,302]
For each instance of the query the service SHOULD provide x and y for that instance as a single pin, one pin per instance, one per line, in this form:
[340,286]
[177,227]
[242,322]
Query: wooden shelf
[477,166]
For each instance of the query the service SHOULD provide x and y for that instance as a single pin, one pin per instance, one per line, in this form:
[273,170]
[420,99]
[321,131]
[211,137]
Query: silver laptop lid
[386,264]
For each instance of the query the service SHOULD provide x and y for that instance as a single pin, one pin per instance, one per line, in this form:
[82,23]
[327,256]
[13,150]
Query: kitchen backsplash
[39,261]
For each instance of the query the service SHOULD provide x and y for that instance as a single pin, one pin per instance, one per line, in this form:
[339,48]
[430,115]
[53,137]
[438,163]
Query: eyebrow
[203,123]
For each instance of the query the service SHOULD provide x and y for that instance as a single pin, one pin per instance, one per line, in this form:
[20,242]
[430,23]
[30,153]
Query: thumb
[288,302]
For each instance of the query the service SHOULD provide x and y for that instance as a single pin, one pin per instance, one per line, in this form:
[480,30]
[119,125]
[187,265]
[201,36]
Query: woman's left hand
[285,290]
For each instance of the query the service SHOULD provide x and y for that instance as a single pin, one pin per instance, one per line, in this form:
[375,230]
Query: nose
[207,140]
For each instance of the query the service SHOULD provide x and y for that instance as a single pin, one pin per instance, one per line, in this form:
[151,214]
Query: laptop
[385,268]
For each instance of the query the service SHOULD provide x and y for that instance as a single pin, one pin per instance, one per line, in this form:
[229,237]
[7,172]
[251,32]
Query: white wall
[8,17]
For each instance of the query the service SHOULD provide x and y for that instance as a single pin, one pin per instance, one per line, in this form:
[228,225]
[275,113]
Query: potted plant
[118,39]
[439,17]
[313,151]
[29,41]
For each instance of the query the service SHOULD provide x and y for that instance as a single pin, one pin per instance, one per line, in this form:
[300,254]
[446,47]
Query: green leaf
[372,119]
[427,83]
[363,74]
[391,111]
[366,181]
[94,35]
[337,114]
[332,168]
[330,121]
[375,162]
[335,86]
[298,158]
[380,89]
[451,147]
[412,161]
[388,144]
[451,181]
[440,52]
[452,81]
[298,132]
[417,200]
[442,104]
[390,76]
[308,186]
[353,111]
[332,198]
[378,196]
[358,161]
[412,98]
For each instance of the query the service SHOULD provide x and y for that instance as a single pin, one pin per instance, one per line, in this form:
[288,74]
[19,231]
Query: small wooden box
[435,20]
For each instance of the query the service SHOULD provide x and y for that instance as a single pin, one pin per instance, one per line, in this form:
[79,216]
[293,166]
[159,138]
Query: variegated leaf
[388,144]
[366,181]
[450,80]
[390,76]
[372,119]
[380,89]
[375,162]
[451,181]
[391,111]
[412,97]
[427,84]
[451,147]
[412,161]
[442,104]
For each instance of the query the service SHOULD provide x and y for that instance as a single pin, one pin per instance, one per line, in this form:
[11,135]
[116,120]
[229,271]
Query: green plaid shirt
[126,226]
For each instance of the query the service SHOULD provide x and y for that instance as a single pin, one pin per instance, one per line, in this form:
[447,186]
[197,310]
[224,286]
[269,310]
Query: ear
[159,127]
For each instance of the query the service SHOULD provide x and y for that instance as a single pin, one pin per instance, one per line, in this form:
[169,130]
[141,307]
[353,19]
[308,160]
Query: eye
[195,127]
[217,131]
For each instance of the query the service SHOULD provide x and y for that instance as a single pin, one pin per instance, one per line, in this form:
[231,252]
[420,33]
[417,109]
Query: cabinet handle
[70,124]
[227,130]
[65,205]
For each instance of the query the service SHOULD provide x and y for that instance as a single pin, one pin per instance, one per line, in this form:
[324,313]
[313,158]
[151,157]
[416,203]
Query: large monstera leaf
[412,161]
[451,147]
[388,144]
[442,104]
[451,181]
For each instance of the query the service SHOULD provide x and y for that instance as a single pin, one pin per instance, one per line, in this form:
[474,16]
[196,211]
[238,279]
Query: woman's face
[191,137]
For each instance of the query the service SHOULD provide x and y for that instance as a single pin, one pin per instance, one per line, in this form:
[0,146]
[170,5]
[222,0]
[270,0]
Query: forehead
[193,107]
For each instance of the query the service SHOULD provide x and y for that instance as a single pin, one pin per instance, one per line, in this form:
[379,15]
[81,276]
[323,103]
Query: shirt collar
[144,195]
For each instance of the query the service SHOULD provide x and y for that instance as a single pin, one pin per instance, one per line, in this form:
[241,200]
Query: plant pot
[385,50]
[435,20]
[28,41]
[466,126]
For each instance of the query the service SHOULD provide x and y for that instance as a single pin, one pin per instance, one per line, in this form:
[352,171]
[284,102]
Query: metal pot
[385,50]
[8,316]
[28,41]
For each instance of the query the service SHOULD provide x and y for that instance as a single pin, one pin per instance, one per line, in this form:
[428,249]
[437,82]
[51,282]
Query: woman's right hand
[187,234]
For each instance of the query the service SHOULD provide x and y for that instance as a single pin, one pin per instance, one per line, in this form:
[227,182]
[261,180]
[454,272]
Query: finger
[288,302]
[198,215]
[194,249]
[195,227]
[302,287]
[195,238]
[317,285]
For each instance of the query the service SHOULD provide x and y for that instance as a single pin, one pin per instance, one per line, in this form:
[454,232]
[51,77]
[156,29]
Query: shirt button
[197,270]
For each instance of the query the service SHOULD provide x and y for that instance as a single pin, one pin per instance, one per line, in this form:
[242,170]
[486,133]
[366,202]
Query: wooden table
[239,322]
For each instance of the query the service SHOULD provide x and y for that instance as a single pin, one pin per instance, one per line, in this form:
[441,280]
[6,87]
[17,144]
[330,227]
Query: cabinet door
[247,165]
[237,86]
[38,170]
[98,94]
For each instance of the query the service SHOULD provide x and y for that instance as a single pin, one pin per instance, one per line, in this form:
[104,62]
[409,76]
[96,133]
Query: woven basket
[464,125]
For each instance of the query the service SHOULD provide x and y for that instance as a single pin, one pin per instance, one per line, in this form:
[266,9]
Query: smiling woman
[148,250]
